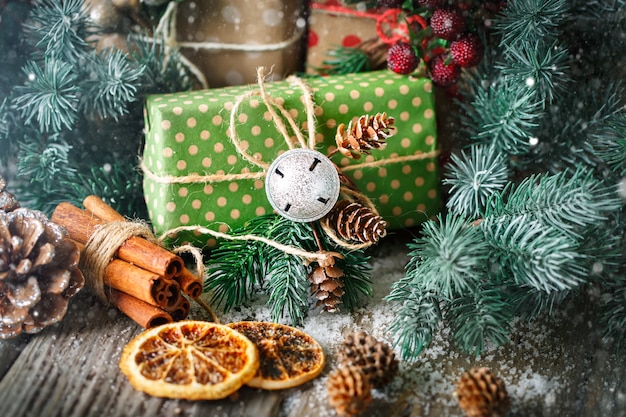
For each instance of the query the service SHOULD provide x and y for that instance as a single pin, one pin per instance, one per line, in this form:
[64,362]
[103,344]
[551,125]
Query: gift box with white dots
[194,175]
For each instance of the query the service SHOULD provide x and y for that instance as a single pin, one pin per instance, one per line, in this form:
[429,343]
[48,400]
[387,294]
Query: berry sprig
[444,44]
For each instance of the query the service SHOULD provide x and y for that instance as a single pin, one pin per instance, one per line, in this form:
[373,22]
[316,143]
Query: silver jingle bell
[302,185]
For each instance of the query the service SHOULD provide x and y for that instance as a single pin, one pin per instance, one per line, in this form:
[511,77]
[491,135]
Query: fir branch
[609,143]
[536,255]
[613,316]
[345,60]
[163,72]
[112,85]
[60,28]
[565,201]
[531,21]
[233,272]
[357,280]
[529,303]
[474,179]
[505,115]
[416,320]
[542,66]
[49,96]
[286,275]
[43,161]
[480,315]
[452,254]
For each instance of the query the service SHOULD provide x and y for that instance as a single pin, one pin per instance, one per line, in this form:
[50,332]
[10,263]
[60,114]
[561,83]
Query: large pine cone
[482,394]
[375,359]
[38,272]
[349,392]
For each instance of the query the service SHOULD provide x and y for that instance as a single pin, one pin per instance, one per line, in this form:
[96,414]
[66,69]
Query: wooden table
[556,366]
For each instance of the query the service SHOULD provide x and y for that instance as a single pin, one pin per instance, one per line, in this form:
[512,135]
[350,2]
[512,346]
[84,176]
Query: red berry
[467,51]
[402,59]
[447,24]
[443,73]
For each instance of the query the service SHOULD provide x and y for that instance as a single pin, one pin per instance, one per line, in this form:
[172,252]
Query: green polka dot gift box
[199,173]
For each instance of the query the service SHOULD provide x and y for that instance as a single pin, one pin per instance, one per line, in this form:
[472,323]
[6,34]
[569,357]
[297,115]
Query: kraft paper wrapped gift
[333,24]
[228,39]
[192,169]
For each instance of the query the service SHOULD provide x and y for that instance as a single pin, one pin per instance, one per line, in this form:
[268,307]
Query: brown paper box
[277,25]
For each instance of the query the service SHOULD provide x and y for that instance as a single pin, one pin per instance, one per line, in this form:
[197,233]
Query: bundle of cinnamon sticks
[145,281]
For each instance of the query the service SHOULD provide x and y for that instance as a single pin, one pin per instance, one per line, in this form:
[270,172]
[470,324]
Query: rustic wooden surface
[556,366]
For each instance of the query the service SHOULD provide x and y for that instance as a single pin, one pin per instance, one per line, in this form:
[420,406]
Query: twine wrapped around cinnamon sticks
[125,266]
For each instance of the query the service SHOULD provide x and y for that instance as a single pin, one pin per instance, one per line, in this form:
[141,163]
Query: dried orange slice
[289,357]
[193,360]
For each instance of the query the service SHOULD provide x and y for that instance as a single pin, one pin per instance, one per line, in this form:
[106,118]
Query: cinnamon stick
[142,313]
[102,210]
[136,250]
[142,284]
[189,283]
[181,310]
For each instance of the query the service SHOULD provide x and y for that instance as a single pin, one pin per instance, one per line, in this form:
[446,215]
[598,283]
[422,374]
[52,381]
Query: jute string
[282,119]
[102,246]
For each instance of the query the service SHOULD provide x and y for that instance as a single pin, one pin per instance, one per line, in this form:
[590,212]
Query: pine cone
[375,359]
[367,133]
[327,286]
[349,392]
[8,202]
[482,394]
[355,222]
[38,272]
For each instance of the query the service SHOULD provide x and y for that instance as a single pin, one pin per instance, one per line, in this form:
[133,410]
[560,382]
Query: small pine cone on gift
[327,285]
[375,359]
[8,202]
[349,391]
[38,272]
[365,134]
[355,222]
[482,394]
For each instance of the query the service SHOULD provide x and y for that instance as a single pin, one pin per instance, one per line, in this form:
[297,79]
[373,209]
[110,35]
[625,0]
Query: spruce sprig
[239,268]
[49,96]
[533,21]
[474,178]
[59,29]
[505,114]
[565,201]
[113,86]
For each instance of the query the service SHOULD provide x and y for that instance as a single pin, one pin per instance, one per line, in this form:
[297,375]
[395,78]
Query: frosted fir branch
[452,256]
[44,162]
[505,115]
[59,29]
[474,179]
[481,315]
[357,280]
[414,325]
[531,21]
[49,96]
[609,144]
[541,66]
[112,86]
[565,201]
[534,254]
